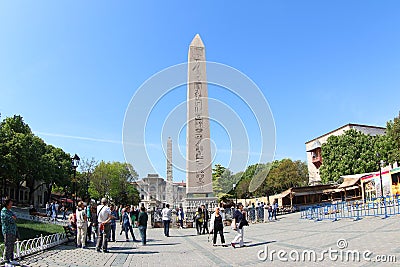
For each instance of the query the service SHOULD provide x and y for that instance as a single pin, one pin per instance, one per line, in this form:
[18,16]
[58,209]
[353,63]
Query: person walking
[239,221]
[63,211]
[93,222]
[166,218]
[142,224]
[206,217]
[217,226]
[181,217]
[127,223]
[9,230]
[198,218]
[274,209]
[113,222]
[104,227]
[269,212]
[81,223]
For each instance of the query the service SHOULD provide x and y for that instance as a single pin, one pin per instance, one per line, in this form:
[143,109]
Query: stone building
[153,193]
[313,147]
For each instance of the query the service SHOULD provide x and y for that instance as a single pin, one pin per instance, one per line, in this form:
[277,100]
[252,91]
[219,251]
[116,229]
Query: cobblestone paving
[289,234]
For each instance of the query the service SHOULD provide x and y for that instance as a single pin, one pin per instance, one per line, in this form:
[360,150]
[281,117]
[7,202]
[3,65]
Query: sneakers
[233,245]
[14,263]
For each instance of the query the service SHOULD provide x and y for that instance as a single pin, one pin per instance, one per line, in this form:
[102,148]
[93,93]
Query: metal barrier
[356,210]
[30,246]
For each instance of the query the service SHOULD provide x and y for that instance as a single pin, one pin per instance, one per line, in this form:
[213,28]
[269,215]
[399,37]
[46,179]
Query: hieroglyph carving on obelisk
[169,185]
[198,152]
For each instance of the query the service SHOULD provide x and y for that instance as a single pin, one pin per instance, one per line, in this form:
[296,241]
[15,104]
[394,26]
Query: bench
[70,234]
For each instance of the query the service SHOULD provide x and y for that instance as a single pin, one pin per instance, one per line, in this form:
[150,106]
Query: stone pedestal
[194,201]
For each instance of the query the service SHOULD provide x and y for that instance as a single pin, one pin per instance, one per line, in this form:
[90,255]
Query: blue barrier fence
[356,210]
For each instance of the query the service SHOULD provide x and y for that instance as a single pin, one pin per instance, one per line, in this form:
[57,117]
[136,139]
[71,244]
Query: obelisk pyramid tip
[197,42]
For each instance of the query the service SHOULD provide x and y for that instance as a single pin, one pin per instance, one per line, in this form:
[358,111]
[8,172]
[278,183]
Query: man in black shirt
[238,216]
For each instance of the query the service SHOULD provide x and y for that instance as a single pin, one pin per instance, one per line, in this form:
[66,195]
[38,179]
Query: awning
[350,180]
[351,187]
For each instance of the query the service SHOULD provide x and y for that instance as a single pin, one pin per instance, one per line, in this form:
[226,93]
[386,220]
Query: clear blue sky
[70,68]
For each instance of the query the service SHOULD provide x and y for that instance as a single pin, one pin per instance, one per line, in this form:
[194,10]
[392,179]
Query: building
[313,147]
[152,191]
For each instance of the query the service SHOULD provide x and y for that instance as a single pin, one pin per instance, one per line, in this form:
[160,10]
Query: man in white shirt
[166,217]
[104,226]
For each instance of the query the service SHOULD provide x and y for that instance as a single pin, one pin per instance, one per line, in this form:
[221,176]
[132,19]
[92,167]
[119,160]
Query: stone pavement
[289,234]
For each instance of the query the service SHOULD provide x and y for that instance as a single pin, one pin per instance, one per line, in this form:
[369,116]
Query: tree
[393,139]
[16,139]
[112,180]
[351,153]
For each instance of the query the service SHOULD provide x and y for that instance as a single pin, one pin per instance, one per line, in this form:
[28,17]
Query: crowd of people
[97,223]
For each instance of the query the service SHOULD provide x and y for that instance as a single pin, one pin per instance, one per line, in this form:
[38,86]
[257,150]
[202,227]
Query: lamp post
[381,163]
[234,189]
[74,164]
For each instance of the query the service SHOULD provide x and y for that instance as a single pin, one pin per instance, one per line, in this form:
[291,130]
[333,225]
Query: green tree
[351,153]
[393,139]
[113,180]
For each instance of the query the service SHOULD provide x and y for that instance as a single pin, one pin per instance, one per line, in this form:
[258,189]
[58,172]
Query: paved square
[289,234]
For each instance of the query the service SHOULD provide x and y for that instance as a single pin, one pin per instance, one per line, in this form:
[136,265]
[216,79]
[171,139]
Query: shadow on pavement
[259,244]
[162,244]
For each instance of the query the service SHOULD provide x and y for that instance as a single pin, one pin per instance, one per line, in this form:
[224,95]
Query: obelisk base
[193,201]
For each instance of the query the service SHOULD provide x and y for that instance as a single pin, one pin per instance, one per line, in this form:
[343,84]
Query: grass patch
[30,229]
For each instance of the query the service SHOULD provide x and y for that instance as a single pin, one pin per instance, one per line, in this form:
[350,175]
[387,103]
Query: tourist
[113,222]
[127,223]
[81,223]
[48,209]
[120,209]
[269,212]
[274,209]
[166,214]
[134,215]
[206,217]
[63,211]
[181,217]
[56,206]
[217,226]
[198,218]
[142,224]
[104,227]
[239,220]
[9,230]
[93,225]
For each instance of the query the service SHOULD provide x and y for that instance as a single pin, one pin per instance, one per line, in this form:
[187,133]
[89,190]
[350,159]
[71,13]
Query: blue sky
[70,68]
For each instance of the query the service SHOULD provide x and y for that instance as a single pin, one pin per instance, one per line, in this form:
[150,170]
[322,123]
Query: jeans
[127,229]
[9,241]
[142,230]
[166,227]
[113,227]
[103,236]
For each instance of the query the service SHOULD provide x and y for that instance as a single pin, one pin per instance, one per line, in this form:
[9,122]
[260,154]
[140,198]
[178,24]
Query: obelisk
[198,152]
[169,186]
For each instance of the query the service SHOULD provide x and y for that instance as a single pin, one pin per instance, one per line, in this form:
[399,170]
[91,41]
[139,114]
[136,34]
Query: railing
[379,207]
[29,217]
[30,246]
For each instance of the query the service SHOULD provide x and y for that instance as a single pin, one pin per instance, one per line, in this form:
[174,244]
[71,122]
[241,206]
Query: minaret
[169,186]
[198,151]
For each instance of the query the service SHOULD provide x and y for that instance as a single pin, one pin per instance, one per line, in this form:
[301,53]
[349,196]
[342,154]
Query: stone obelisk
[169,186]
[198,152]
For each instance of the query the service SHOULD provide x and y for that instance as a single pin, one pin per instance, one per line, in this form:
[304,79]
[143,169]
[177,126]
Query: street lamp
[74,164]
[234,189]
[381,163]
